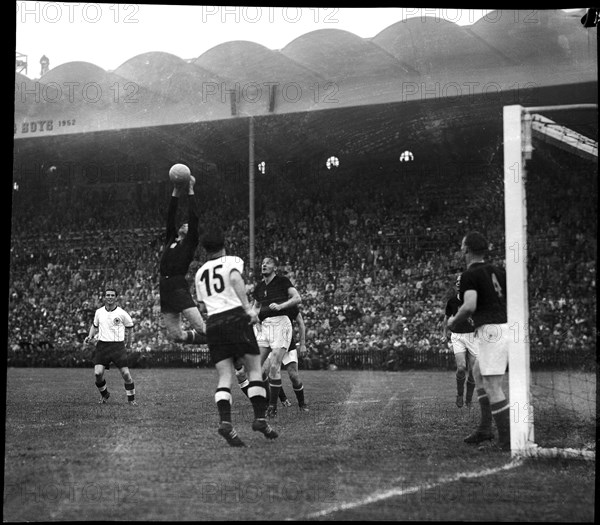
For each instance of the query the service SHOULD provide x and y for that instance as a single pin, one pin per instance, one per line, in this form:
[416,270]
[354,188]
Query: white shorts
[492,341]
[274,332]
[464,343]
[291,356]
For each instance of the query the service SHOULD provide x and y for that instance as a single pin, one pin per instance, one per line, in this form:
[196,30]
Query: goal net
[550,202]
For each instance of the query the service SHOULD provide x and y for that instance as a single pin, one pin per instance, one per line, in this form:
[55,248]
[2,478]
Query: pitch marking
[411,490]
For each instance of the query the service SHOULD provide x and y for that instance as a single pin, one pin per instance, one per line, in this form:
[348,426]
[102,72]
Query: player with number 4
[483,294]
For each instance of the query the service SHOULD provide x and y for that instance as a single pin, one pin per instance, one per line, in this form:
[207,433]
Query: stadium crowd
[374,258]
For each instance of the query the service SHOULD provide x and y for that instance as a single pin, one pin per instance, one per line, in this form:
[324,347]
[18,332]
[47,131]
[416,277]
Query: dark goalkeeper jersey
[177,256]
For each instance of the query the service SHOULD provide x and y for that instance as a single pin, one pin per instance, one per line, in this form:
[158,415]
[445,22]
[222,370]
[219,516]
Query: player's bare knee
[274,371]
[126,375]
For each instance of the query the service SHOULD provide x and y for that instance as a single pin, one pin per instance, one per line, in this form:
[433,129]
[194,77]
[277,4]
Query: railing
[362,359]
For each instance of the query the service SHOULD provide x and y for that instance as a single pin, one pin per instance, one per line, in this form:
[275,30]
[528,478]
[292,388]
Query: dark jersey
[489,282]
[292,313]
[274,292]
[177,256]
[452,307]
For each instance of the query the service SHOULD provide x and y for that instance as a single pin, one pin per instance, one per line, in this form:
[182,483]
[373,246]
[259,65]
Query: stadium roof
[423,83]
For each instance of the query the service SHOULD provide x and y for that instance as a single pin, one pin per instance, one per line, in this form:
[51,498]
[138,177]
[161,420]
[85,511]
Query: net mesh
[561,189]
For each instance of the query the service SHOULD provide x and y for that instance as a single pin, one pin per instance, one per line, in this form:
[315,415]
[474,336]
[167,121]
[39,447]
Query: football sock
[267,388]
[282,394]
[244,386]
[299,391]
[486,412]
[130,391]
[501,413]
[195,338]
[470,387]
[275,386]
[223,400]
[461,375]
[102,388]
[258,398]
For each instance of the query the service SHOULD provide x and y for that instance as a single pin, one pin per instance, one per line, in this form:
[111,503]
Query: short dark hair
[213,240]
[273,258]
[476,243]
[111,289]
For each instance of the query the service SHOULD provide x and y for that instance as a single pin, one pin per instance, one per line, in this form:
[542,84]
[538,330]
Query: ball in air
[179,174]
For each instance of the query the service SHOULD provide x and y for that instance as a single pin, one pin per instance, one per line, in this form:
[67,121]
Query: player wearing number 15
[483,294]
[221,287]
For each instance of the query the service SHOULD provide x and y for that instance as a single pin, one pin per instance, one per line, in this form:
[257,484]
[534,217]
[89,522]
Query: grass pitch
[375,446]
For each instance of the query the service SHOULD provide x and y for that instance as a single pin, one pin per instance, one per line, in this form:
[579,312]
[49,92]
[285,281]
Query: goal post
[520,124]
[515,219]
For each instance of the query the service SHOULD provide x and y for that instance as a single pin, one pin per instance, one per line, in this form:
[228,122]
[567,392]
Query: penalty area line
[379,496]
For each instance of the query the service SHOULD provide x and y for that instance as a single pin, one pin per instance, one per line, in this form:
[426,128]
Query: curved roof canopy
[337,55]
[423,83]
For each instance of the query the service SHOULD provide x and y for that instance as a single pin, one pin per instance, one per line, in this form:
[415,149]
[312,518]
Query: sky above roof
[108,35]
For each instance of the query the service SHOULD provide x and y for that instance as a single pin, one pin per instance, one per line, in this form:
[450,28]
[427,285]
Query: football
[179,174]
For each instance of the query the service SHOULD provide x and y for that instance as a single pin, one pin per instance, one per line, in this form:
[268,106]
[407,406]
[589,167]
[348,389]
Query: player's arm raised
[193,215]
[171,231]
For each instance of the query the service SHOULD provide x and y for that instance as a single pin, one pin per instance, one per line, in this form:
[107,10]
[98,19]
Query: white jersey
[111,324]
[213,285]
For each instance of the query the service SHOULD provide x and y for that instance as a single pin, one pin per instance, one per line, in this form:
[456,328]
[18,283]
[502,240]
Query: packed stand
[374,259]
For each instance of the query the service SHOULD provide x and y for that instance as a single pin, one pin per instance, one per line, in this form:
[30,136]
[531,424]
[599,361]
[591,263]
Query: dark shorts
[111,352]
[229,334]
[175,296]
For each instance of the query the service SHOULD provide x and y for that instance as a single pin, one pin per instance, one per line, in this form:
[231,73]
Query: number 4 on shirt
[496,284]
